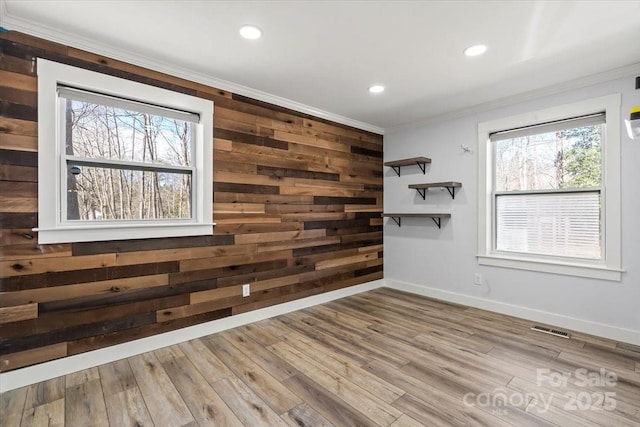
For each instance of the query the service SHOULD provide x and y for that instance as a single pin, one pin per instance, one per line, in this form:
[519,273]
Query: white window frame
[52,227]
[609,268]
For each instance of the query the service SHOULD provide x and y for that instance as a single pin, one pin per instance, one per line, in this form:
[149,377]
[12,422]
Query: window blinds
[574,122]
[125,104]
[558,224]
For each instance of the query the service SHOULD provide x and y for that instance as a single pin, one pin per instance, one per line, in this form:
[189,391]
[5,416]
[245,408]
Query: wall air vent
[550,331]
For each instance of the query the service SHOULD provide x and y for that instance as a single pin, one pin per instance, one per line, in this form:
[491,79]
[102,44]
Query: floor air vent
[550,331]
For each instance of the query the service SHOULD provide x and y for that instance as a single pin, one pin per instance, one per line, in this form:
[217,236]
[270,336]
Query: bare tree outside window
[136,178]
[569,158]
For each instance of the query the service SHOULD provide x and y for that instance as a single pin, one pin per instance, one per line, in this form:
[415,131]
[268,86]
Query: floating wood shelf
[420,161]
[397,217]
[449,185]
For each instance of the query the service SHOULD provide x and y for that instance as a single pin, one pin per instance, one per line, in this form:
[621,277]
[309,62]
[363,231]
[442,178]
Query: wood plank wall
[297,201]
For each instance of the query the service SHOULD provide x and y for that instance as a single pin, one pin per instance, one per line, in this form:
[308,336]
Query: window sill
[591,271]
[106,232]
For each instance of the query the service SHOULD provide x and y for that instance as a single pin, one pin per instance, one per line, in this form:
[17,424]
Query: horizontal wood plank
[41,354]
[285,185]
[18,312]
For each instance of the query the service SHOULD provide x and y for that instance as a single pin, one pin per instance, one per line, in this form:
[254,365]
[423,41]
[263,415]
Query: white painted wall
[436,260]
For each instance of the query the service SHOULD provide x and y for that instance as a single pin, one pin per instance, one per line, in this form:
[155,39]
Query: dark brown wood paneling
[18,96]
[51,321]
[250,139]
[49,279]
[348,223]
[112,338]
[119,246]
[25,342]
[297,200]
[18,173]
[10,220]
[229,187]
[19,189]
[15,64]
[18,111]
[33,356]
[168,296]
[296,173]
[328,200]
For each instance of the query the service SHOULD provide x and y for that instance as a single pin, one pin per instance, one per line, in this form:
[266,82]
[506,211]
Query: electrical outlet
[246,290]
[477,279]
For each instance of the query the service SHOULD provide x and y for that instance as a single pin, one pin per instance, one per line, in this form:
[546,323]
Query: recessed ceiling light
[475,50]
[376,89]
[250,32]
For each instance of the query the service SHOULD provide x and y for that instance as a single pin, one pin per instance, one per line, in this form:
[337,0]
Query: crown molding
[3,11]
[16,23]
[616,73]
[57,35]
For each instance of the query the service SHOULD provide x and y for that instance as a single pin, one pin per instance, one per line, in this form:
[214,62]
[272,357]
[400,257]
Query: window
[120,159]
[551,190]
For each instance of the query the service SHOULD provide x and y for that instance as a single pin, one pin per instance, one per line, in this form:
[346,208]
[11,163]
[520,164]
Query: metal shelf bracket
[452,191]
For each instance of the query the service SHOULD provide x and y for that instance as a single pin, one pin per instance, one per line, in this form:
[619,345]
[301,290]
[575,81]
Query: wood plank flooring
[381,358]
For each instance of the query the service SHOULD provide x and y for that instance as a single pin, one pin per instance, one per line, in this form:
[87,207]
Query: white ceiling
[325,54]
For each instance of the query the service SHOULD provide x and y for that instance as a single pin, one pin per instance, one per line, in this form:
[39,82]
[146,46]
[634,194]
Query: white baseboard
[579,325]
[55,368]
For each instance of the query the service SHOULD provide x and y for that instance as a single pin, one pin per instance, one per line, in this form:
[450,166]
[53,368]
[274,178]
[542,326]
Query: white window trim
[51,228]
[610,268]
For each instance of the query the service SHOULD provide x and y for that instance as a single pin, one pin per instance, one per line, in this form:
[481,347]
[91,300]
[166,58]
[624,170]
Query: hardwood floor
[381,358]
